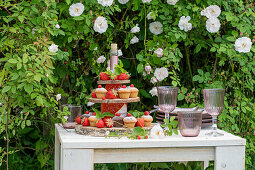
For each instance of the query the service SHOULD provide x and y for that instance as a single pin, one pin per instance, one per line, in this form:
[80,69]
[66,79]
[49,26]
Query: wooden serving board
[113,81]
[130,100]
[100,132]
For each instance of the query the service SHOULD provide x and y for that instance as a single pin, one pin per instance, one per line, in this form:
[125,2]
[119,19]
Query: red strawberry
[78,120]
[117,114]
[146,137]
[132,85]
[128,115]
[103,98]
[94,114]
[139,137]
[108,122]
[99,86]
[140,122]
[124,86]
[146,113]
[94,94]
[123,76]
[87,112]
[100,123]
[85,122]
[104,76]
[111,94]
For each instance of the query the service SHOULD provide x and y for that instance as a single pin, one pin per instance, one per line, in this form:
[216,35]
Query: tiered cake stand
[109,105]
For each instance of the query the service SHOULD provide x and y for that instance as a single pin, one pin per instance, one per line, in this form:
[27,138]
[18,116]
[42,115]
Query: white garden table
[74,151]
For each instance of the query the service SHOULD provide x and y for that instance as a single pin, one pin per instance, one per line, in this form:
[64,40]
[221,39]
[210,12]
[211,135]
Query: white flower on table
[154,80]
[105,3]
[65,117]
[161,73]
[156,28]
[135,29]
[119,53]
[184,23]
[123,1]
[146,1]
[172,2]
[58,97]
[157,132]
[57,26]
[243,45]
[53,48]
[213,25]
[134,40]
[90,104]
[101,59]
[100,25]
[211,11]
[107,133]
[154,91]
[76,10]
[159,52]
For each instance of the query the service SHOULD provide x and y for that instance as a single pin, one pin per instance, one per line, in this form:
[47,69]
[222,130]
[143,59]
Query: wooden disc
[100,132]
[130,100]
[113,81]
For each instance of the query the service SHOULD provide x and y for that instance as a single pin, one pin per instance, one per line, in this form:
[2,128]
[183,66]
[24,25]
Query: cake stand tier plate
[130,100]
[100,132]
[113,81]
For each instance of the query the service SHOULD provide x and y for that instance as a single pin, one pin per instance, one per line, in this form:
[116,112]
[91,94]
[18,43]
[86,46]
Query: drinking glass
[167,99]
[75,111]
[214,104]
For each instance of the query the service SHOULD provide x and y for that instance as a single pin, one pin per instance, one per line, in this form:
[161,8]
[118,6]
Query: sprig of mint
[101,116]
[136,113]
[172,126]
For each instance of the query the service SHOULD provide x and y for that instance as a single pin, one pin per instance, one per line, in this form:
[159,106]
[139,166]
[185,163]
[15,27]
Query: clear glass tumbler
[214,105]
[75,111]
[190,123]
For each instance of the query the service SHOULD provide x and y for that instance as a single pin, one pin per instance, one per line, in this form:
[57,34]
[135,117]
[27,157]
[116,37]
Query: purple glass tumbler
[190,123]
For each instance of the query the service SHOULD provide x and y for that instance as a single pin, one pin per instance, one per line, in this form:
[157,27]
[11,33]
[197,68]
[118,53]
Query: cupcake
[100,92]
[147,119]
[134,91]
[118,120]
[93,120]
[129,121]
[124,92]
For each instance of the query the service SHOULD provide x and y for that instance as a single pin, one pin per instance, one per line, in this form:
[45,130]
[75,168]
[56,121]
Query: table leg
[77,159]
[229,158]
[57,150]
[205,165]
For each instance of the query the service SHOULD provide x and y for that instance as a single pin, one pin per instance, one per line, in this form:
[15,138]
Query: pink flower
[241,33]
[148,69]
[253,40]
[159,52]
[47,75]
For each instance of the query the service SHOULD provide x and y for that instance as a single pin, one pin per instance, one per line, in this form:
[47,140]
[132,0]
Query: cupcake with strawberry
[129,121]
[147,119]
[124,92]
[133,91]
[93,120]
[100,92]
[118,120]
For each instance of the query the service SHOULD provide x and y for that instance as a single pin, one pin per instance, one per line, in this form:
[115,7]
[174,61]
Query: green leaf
[78,18]
[140,68]
[19,65]
[139,57]
[144,93]
[28,88]
[172,118]
[175,131]
[6,88]
[12,61]
[68,2]
[21,18]
[198,48]
[37,77]
[107,114]
[34,9]
[28,122]
[180,96]
[23,124]
[166,121]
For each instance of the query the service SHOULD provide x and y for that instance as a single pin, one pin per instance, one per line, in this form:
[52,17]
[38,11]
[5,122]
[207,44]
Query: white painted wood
[153,155]
[57,150]
[230,158]
[70,139]
[205,164]
[77,159]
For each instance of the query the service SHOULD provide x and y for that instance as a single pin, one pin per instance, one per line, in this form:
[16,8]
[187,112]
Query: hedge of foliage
[50,47]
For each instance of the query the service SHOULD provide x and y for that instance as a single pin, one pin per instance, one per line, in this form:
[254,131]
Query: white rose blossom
[213,25]
[100,25]
[123,1]
[150,15]
[95,49]
[120,53]
[101,59]
[57,26]
[154,80]
[184,23]
[90,104]
[53,48]
[58,97]
[105,3]
[154,91]
[135,29]
[243,45]
[76,9]
[157,132]
[159,52]
[161,73]
[146,1]
[134,40]
[172,2]
[156,28]
[148,69]
[211,11]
